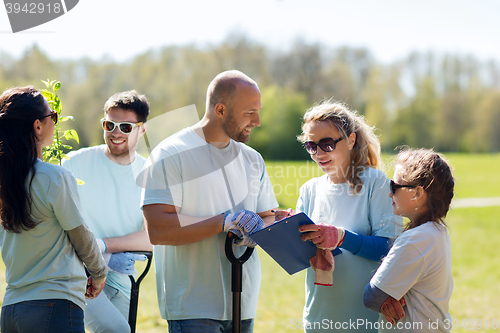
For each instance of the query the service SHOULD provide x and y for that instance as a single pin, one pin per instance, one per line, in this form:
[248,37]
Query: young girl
[351,210]
[43,237]
[417,270]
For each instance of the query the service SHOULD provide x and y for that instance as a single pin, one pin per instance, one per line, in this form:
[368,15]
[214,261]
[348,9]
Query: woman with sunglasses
[43,237]
[351,210]
[417,271]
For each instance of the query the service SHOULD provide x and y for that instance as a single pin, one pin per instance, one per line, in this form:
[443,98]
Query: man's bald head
[223,88]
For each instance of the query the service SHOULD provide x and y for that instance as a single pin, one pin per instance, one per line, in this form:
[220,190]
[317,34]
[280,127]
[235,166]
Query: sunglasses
[326,144]
[395,186]
[53,115]
[125,128]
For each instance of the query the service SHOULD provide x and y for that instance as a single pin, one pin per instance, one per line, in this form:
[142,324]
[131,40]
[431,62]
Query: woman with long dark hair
[43,238]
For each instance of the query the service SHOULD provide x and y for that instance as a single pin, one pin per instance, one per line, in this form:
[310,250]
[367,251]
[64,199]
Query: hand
[245,220]
[242,224]
[94,287]
[282,214]
[325,236]
[392,309]
[123,262]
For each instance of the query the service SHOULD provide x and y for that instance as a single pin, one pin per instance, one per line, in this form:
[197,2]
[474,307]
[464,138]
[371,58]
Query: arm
[86,248]
[368,247]
[378,301]
[164,226]
[137,241]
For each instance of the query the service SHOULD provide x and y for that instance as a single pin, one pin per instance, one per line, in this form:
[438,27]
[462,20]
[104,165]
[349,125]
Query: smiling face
[121,147]
[334,163]
[243,116]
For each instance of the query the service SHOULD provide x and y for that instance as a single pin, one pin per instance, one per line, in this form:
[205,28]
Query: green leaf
[47,84]
[57,86]
[71,135]
[49,96]
[65,118]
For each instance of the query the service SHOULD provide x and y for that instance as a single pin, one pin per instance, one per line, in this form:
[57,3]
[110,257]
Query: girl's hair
[366,150]
[19,108]
[426,168]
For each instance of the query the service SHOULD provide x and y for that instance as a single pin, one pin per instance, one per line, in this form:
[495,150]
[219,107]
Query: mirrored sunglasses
[125,128]
[326,144]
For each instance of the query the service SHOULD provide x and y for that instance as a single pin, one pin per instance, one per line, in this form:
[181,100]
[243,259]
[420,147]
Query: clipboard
[282,242]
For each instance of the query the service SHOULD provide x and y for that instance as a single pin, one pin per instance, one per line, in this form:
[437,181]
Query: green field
[474,235]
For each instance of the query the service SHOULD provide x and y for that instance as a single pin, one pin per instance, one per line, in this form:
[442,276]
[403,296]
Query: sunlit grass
[474,233]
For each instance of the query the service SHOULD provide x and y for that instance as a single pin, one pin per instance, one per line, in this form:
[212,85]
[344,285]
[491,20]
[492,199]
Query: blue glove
[242,224]
[123,262]
[249,222]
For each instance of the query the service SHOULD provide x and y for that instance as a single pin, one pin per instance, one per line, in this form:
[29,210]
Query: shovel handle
[230,254]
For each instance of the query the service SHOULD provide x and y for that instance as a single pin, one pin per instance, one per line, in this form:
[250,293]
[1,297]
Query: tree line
[449,102]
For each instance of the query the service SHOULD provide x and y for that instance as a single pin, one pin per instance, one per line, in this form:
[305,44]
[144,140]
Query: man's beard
[231,128]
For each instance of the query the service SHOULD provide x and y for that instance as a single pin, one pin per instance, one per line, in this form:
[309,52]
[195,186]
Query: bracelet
[224,220]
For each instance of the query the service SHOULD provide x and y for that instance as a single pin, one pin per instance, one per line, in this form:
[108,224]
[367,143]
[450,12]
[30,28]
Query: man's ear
[220,109]
[143,129]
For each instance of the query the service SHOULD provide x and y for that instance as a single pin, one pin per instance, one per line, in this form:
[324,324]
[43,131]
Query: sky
[391,29]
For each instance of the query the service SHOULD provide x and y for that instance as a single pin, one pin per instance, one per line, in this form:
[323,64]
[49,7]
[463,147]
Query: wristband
[224,220]
[101,244]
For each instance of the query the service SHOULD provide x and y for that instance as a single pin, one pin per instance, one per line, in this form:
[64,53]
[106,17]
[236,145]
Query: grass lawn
[474,234]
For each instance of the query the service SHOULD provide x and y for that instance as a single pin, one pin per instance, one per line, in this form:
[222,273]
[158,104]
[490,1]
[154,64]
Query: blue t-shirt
[41,263]
[369,213]
[110,198]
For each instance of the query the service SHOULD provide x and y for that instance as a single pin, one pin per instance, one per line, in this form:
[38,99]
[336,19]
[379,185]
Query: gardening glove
[123,262]
[323,265]
[242,224]
[94,287]
[325,236]
[392,309]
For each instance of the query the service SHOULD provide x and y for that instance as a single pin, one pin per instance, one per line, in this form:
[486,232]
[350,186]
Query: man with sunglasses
[204,182]
[110,200]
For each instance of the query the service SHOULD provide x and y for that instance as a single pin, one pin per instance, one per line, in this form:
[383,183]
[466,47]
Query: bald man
[202,182]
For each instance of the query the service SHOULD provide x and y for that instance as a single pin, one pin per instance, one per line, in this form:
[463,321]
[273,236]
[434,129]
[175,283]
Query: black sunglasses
[53,114]
[395,186]
[326,144]
[125,128]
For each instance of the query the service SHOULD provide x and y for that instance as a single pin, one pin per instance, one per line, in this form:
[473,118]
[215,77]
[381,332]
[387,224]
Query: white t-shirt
[110,198]
[41,263]
[418,267]
[193,280]
[369,213]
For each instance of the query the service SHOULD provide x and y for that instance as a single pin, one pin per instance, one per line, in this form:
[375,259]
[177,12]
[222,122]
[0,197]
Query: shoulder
[313,183]
[52,171]
[372,175]
[83,155]
[427,235]
[182,140]
[374,179]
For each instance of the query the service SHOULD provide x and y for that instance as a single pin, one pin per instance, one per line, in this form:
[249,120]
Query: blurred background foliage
[449,102]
